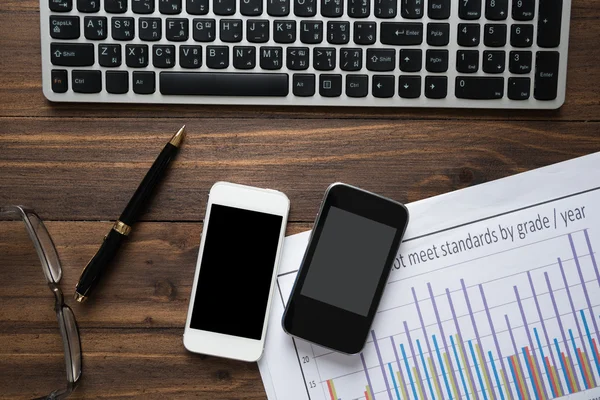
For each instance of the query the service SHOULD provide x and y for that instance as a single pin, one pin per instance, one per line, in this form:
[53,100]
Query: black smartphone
[351,251]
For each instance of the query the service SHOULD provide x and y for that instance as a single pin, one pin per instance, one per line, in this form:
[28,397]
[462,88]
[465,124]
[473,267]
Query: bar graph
[524,332]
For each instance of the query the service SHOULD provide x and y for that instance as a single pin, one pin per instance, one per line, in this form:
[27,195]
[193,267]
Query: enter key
[546,75]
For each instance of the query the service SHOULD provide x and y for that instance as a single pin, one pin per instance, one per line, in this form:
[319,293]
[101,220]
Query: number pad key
[169,6]
[109,55]
[365,32]
[468,35]
[305,8]
[494,35]
[521,35]
[467,61]
[94,28]
[350,59]
[494,61]
[142,6]
[244,57]
[324,58]
[519,88]
[332,8]
[297,58]
[359,8]
[386,8]
[496,10]
[523,10]
[115,6]
[469,9]
[338,32]
[311,32]
[520,62]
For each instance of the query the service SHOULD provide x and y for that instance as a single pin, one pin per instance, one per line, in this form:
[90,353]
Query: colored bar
[477,370]
[596,352]
[434,373]
[518,376]
[437,351]
[385,379]
[462,377]
[400,375]
[535,366]
[437,387]
[369,393]
[593,348]
[539,311]
[529,364]
[461,347]
[555,379]
[586,371]
[564,365]
[412,381]
[452,381]
[503,371]
[588,367]
[546,364]
[575,386]
[394,381]
[518,368]
[332,391]
[484,367]
[485,376]
[419,385]
[591,251]
[496,375]
[439,322]
[570,370]
[579,359]
[362,358]
[418,378]
[425,369]
[515,379]
[537,375]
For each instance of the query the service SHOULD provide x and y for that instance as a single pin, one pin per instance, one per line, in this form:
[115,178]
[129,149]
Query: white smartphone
[235,275]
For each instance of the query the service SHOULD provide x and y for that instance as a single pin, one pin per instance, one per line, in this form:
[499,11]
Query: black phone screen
[235,272]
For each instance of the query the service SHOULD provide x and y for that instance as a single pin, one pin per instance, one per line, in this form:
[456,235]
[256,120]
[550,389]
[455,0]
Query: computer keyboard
[394,53]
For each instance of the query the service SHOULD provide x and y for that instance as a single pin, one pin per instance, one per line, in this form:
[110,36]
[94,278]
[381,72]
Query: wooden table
[78,164]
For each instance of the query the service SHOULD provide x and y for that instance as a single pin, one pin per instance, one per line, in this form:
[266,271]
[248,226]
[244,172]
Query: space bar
[223,84]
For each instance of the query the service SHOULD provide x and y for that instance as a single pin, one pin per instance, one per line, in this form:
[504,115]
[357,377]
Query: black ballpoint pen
[112,241]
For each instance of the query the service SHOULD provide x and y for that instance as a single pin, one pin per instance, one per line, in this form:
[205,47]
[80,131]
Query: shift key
[72,54]
[401,33]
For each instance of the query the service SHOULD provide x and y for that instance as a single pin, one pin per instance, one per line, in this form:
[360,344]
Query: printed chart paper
[494,295]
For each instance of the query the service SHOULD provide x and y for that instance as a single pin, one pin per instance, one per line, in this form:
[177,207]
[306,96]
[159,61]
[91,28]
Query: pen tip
[177,138]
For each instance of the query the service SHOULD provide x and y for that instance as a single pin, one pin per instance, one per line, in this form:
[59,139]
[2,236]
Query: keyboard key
[546,75]
[467,61]
[144,82]
[224,7]
[169,7]
[142,6]
[109,55]
[381,59]
[122,28]
[311,32]
[303,85]
[231,30]
[324,58]
[72,54]
[438,9]
[357,85]
[401,33]
[297,58]
[64,27]
[150,29]
[85,81]
[278,8]
[284,31]
[523,10]
[519,88]
[115,6]
[478,88]
[60,82]
[190,56]
[436,60]
[494,61]
[520,62]
[468,35]
[332,8]
[436,87]
[223,84]
[257,30]
[177,29]
[365,32]
[521,35]
[330,85]
[494,35]
[136,55]
[438,34]
[244,57]
[409,86]
[469,9]
[60,5]
[251,8]
[411,9]
[88,6]
[271,57]
[350,59]
[95,28]
[411,60]
[163,56]
[385,8]
[117,82]
[549,22]
[496,10]
[204,30]
[217,57]
[305,8]
[359,8]
[200,7]
[383,86]
[338,32]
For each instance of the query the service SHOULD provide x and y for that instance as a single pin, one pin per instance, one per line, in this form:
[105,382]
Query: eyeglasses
[53,272]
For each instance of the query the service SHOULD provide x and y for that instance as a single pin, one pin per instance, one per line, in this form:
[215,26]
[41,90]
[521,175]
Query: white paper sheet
[526,245]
